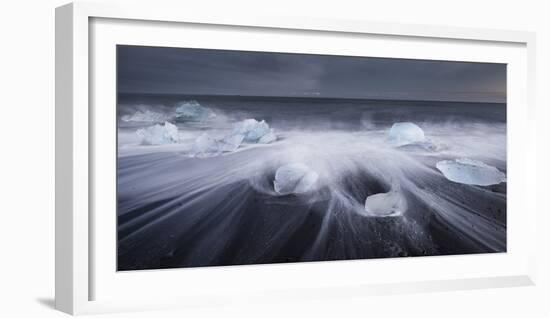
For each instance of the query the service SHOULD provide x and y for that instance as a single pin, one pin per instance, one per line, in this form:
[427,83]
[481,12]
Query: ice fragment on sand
[251,129]
[192,111]
[391,203]
[406,133]
[294,178]
[158,134]
[145,116]
[470,171]
[231,142]
[206,146]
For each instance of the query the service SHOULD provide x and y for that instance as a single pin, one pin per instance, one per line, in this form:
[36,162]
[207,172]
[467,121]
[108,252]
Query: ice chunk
[231,142]
[406,133]
[252,129]
[470,171]
[294,178]
[192,111]
[145,116]
[391,203]
[159,134]
[206,146]
[268,138]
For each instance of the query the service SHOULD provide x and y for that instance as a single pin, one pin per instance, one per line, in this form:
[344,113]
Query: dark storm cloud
[218,72]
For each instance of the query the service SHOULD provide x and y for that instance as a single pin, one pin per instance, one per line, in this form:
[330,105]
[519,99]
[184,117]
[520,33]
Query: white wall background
[27,158]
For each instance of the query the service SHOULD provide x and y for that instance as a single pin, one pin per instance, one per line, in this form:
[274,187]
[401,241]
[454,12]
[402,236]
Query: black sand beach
[178,210]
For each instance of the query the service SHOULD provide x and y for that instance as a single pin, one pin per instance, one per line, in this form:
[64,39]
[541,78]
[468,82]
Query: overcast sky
[218,72]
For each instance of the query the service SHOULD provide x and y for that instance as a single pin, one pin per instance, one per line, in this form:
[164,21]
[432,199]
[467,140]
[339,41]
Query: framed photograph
[213,160]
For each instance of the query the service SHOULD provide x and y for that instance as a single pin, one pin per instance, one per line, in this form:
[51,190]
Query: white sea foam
[145,116]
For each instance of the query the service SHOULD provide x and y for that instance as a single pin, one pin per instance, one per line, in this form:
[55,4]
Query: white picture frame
[84,285]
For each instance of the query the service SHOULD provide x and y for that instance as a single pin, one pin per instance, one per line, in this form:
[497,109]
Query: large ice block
[470,171]
[268,138]
[251,129]
[406,133]
[231,143]
[158,134]
[294,178]
[391,203]
[206,146]
[192,111]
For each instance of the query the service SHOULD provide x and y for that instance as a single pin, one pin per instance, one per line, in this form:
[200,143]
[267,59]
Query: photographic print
[240,158]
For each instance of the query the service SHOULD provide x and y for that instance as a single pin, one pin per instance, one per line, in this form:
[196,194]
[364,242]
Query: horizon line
[316,97]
